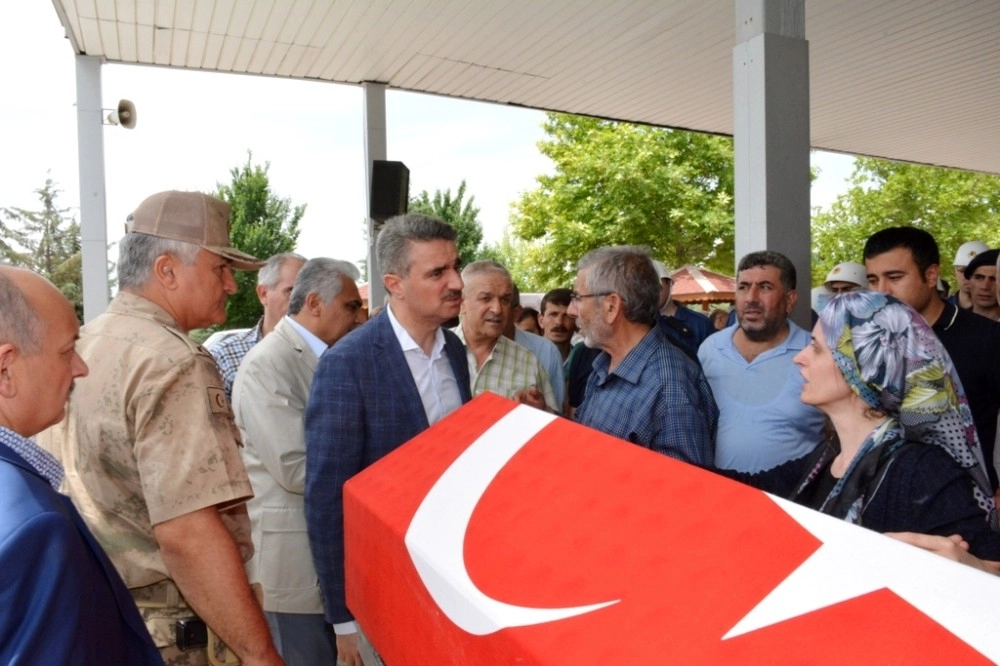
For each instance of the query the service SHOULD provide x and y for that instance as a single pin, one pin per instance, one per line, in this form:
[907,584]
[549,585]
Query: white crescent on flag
[435,539]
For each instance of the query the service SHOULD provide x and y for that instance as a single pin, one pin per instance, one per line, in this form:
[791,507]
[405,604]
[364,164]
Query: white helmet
[967,251]
[848,271]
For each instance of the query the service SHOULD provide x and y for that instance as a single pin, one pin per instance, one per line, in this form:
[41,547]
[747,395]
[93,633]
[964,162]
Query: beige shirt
[148,436]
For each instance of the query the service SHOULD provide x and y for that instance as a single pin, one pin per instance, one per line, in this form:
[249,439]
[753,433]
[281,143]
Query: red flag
[504,535]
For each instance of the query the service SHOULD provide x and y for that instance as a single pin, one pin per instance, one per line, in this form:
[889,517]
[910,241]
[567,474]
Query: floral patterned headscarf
[891,358]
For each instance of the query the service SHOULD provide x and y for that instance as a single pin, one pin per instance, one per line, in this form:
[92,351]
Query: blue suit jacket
[61,599]
[363,404]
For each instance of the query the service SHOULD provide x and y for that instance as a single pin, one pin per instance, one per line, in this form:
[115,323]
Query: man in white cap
[966,253]
[845,277]
[149,443]
[683,326]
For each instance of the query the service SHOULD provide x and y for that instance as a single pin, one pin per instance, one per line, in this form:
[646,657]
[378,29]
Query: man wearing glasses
[643,389]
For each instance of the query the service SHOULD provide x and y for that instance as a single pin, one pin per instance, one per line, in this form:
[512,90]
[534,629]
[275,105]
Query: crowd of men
[203,512]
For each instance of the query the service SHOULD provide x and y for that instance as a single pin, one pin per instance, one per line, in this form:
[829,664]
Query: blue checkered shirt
[229,354]
[41,460]
[657,398]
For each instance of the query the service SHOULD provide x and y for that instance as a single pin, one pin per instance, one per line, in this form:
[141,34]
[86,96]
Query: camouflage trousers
[160,606]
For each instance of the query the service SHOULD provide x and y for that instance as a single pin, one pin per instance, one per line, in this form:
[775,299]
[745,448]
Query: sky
[193,128]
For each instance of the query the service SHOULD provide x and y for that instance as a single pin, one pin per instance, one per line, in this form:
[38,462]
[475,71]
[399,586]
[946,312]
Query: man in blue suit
[378,387]
[61,600]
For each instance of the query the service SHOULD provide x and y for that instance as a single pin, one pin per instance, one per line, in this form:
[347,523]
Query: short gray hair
[20,325]
[484,267]
[138,251]
[270,273]
[393,244]
[322,276]
[626,270]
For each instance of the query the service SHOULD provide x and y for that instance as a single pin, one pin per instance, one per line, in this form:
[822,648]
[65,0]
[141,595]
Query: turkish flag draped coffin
[504,535]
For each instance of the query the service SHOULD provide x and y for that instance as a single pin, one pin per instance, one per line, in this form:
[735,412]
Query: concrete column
[375,149]
[93,207]
[771,135]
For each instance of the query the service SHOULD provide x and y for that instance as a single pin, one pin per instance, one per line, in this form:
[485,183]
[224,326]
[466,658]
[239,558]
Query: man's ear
[163,270]
[391,282]
[313,304]
[8,354]
[932,274]
[793,298]
[261,293]
[612,306]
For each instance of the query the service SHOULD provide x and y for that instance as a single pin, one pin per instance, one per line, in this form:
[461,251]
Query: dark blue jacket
[61,599]
[363,405]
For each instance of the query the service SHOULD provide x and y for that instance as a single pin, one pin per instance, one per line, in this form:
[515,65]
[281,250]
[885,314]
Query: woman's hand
[953,547]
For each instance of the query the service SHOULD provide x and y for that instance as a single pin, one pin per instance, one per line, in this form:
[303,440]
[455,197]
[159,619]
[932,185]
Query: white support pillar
[771,135]
[375,149]
[93,207]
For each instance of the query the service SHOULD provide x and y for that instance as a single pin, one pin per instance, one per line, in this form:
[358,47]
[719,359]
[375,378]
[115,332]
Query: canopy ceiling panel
[914,80]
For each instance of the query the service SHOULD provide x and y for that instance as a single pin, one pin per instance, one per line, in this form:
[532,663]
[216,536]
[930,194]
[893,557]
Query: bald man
[61,600]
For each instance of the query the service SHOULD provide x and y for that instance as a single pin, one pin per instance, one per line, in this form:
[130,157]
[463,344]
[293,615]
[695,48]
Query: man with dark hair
[379,387]
[904,262]
[556,323]
[274,288]
[149,442]
[642,388]
[762,421]
[269,400]
[61,600]
[981,275]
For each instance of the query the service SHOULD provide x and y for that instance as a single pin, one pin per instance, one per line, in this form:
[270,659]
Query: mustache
[559,329]
[452,294]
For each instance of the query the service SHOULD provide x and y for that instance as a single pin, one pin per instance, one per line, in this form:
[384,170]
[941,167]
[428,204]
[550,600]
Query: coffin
[503,535]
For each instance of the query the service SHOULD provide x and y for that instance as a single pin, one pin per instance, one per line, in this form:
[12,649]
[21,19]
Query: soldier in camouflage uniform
[149,442]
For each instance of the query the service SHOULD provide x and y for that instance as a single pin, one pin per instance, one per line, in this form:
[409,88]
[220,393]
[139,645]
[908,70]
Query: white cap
[967,251]
[848,271]
[661,270]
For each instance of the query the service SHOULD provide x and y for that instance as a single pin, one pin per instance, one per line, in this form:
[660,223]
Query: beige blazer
[269,400]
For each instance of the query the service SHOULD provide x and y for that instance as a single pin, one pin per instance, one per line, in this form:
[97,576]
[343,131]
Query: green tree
[619,183]
[47,241]
[263,225]
[463,215]
[954,206]
[522,258]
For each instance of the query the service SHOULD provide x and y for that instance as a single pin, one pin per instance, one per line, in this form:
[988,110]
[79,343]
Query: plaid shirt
[41,460]
[657,397]
[508,369]
[229,354]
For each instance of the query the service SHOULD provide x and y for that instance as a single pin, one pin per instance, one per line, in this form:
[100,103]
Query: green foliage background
[618,183]
[463,215]
[263,225]
[954,206]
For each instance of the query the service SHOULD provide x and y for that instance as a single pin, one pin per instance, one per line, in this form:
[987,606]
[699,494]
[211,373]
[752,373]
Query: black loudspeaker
[390,195]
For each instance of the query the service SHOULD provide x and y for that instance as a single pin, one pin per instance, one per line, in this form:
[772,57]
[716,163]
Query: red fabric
[578,518]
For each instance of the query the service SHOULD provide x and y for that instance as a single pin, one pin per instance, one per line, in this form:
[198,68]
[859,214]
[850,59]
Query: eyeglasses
[576,298]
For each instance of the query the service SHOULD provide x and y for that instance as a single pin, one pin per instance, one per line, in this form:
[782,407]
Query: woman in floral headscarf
[905,457]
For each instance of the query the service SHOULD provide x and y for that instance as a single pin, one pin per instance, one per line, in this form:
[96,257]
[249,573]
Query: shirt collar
[631,367]
[43,462]
[407,342]
[315,344]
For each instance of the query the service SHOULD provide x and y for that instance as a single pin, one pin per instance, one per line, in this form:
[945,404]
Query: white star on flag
[854,561]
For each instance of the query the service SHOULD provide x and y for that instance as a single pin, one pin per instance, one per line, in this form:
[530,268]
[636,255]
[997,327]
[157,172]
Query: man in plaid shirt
[496,363]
